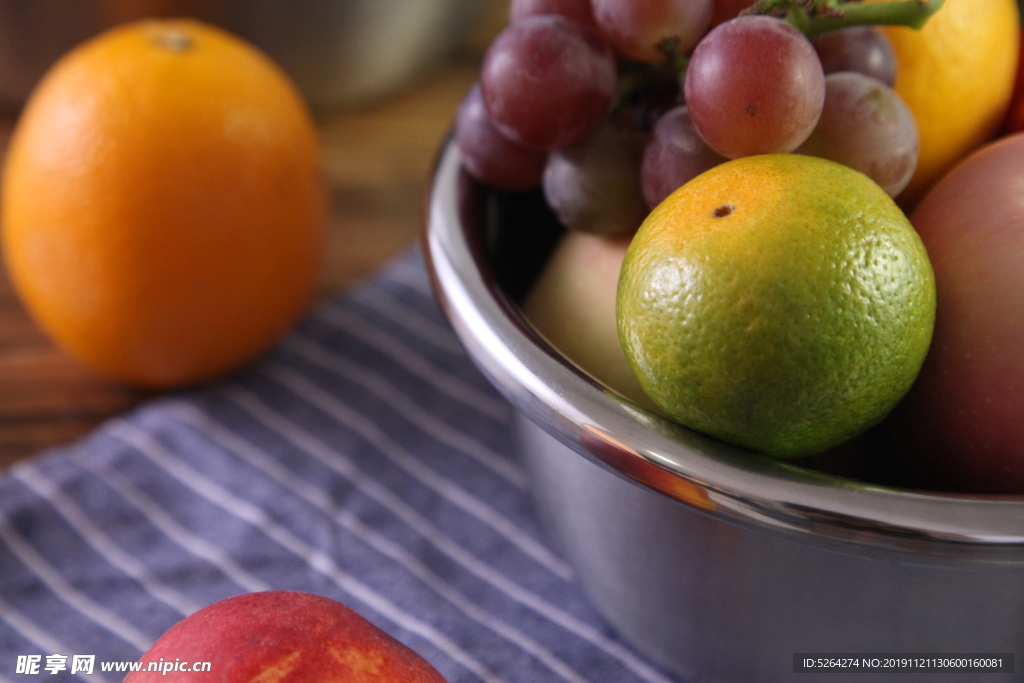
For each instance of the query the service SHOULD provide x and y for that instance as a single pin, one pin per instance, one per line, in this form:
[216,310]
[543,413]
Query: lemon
[956,74]
[779,302]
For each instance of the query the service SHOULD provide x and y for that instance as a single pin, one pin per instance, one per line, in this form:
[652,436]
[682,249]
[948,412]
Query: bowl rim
[702,473]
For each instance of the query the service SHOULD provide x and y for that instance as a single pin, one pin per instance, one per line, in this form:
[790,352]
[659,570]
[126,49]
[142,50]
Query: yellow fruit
[778,302]
[572,304]
[956,75]
[163,208]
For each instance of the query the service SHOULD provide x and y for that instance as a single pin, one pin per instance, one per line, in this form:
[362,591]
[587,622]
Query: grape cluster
[611,105]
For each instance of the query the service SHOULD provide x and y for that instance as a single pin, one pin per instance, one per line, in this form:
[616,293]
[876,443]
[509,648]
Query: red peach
[281,637]
[961,423]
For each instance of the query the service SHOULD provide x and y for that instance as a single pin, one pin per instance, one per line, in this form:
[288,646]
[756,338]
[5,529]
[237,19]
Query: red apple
[573,305]
[285,637]
[962,423]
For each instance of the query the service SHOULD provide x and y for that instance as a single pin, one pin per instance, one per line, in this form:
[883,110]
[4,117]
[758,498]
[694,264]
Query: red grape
[859,48]
[754,86]
[650,30]
[594,186]
[674,156]
[866,126]
[577,10]
[491,157]
[547,81]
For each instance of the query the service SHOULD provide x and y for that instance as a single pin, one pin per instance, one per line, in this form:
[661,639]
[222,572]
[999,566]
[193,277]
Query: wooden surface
[378,160]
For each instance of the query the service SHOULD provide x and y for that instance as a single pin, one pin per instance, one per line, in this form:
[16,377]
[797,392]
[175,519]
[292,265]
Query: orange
[956,75]
[759,305]
[163,208]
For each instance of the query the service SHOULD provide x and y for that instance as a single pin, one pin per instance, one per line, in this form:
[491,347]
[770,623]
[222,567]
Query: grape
[491,157]
[547,81]
[649,30]
[754,86]
[594,186]
[866,126]
[674,156]
[860,48]
[577,10]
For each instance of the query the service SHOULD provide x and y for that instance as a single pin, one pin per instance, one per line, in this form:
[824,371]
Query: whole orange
[760,305]
[163,207]
[956,74]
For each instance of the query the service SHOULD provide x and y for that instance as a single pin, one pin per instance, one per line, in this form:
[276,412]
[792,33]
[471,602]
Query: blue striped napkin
[364,459]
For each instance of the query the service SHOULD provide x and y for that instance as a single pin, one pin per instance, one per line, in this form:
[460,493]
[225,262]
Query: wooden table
[378,159]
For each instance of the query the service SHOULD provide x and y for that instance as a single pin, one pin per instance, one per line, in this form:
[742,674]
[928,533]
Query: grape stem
[817,16]
[636,77]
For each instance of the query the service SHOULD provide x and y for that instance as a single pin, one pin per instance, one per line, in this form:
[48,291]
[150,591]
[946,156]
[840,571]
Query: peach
[573,305]
[961,422]
[280,636]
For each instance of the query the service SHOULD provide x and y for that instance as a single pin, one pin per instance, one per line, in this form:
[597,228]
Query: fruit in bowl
[718,544]
[956,74]
[797,316]
[961,424]
[573,302]
[757,305]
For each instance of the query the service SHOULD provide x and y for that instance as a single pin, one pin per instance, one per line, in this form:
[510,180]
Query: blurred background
[339,52]
[383,77]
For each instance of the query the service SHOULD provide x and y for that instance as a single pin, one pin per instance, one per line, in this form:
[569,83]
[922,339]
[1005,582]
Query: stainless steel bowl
[720,564]
[339,52]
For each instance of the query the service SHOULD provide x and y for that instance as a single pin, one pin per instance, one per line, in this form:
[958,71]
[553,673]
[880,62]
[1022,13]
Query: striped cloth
[364,459]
